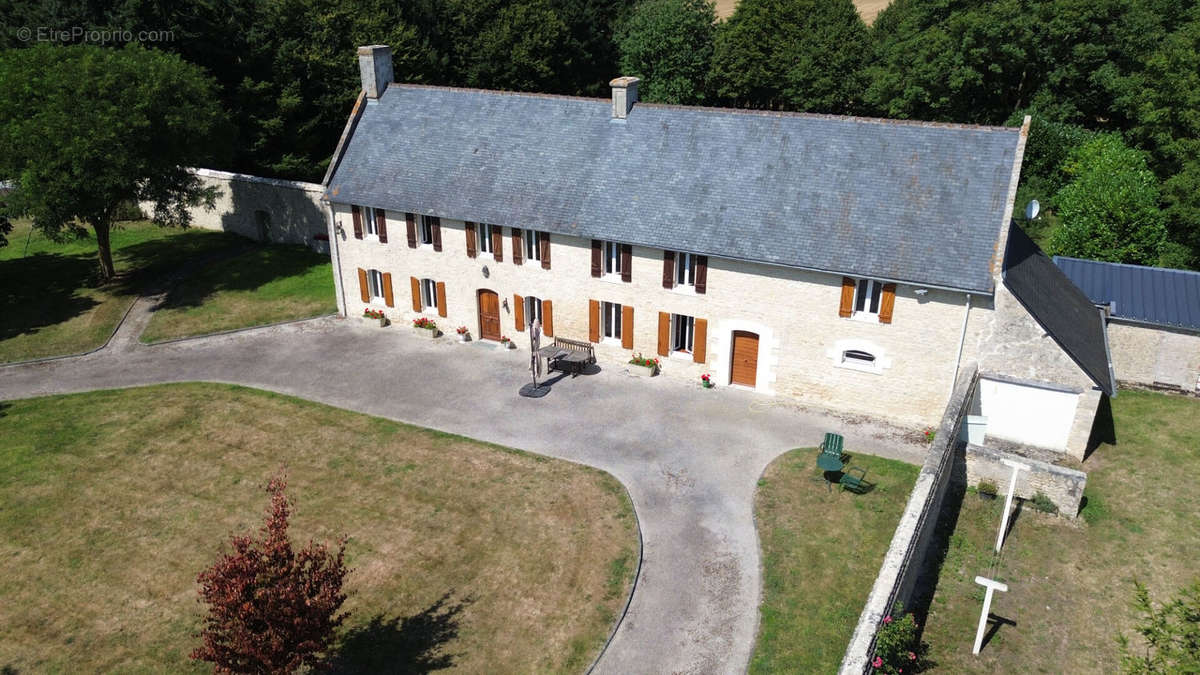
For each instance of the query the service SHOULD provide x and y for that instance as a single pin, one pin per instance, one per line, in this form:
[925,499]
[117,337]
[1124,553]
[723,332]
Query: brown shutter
[436,227]
[547,318]
[441,297]
[594,320]
[664,334]
[497,243]
[519,311]
[701,273]
[597,258]
[388,299]
[362,285]
[410,224]
[472,250]
[356,216]
[518,247]
[887,303]
[381,226]
[847,307]
[626,263]
[544,249]
[626,326]
[668,269]
[700,340]
[416,292]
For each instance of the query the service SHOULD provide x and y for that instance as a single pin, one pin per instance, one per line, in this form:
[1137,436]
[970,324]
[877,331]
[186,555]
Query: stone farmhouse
[847,263]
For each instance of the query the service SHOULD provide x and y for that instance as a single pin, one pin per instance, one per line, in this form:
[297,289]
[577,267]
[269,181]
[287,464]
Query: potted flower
[375,315]
[987,490]
[463,335]
[930,433]
[425,327]
[642,366]
[505,343]
[706,381]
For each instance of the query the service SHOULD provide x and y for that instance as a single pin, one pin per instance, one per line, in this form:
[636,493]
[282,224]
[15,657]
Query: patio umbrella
[535,390]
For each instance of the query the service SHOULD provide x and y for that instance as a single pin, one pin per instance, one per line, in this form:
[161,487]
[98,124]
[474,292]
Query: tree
[792,55]
[272,609]
[669,44]
[1171,634]
[1110,209]
[95,128]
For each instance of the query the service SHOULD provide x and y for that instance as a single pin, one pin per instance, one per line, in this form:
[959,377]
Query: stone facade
[1155,356]
[1063,485]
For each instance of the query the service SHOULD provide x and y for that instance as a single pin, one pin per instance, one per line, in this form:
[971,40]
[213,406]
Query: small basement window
[858,356]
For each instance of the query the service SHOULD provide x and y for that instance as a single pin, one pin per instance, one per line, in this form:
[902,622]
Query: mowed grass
[821,552]
[464,555]
[1070,583]
[265,285]
[50,301]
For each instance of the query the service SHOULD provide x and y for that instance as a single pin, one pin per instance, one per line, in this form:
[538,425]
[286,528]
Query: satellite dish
[1032,209]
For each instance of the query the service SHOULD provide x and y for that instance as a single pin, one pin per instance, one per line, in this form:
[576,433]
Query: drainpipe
[335,252]
[961,341]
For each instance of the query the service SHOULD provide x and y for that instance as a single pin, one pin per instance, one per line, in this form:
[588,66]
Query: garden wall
[1064,486]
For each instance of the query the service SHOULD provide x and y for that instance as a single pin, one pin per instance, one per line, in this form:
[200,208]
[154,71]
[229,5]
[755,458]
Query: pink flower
[878,662]
[912,656]
[887,619]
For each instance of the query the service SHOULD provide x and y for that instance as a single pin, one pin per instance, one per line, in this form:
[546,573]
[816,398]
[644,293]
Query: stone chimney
[624,95]
[375,68]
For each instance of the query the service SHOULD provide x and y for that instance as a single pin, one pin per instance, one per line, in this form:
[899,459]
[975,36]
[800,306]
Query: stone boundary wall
[906,555]
[1064,486]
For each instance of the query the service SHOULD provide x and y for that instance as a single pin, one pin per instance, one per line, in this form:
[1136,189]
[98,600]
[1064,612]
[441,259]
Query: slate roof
[903,201]
[1063,311]
[1152,295]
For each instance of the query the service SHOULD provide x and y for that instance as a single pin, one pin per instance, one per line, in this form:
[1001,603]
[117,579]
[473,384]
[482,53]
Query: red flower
[878,662]
[887,619]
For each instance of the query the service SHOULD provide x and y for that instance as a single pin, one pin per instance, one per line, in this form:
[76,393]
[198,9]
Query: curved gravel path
[690,458]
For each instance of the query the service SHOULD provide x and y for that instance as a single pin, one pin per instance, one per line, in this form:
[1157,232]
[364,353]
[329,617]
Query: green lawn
[50,303]
[1071,582]
[463,554]
[821,552]
[264,285]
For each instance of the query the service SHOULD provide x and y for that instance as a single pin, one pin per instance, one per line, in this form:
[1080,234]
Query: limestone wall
[1155,356]
[1063,485]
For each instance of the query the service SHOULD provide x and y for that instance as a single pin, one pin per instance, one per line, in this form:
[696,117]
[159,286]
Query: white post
[987,607]
[1012,487]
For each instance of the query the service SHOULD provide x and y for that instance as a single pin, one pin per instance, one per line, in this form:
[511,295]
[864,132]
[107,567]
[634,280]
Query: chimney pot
[375,69]
[624,95]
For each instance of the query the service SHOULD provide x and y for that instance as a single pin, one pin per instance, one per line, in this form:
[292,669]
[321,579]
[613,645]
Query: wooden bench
[578,355]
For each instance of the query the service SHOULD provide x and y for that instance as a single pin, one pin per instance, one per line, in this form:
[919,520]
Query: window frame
[533,241]
[425,227]
[612,259]
[428,295]
[683,325]
[685,270]
[375,286]
[868,294]
[484,234]
[533,309]
[610,317]
[370,226]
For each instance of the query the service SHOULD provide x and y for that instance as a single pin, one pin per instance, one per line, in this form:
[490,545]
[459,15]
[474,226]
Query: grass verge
[464,555]
[821,552]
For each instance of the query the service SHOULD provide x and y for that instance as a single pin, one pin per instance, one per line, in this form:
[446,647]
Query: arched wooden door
[743,368]
[489,315]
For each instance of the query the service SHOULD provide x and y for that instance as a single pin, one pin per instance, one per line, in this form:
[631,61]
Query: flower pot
[508,345]
[987,496]
[641,371]
[427,333]
[383,322]
[464,337]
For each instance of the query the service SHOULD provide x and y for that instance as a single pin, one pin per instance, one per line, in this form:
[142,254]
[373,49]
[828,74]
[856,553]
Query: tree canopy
[669,45]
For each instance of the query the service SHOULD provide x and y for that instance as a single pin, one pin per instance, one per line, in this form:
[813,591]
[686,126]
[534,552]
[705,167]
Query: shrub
[1171,634]
[987,487]
[1042,503]
[898,647]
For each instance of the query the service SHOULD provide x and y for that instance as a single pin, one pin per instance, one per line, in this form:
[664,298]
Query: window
[533,310]
[858,356]
[861,355]
[428,295]
[866,298]
[533,251]
[610,320]
[372,227]
[426,230]
[612,258]
[683,333]
[485,238]
[685,269]
[375,285]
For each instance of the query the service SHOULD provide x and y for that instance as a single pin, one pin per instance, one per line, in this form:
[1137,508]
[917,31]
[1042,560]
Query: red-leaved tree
[271,609]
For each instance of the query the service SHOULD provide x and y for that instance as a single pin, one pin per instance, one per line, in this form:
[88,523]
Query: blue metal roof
[904,201]
[1153,295]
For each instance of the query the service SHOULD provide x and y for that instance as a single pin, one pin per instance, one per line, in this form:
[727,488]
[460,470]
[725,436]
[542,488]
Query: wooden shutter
[356,216]
[594,320]
[410,225]
[416,292]
[700,340]
[381,226]
[887,303]
[472,249]
[544,249]
[362,285]
[626,326]
[547,318]
[435,225]
[518,247]
[664,333]
[701,273]
[388,299]
[668,269]
[626,262]
[497,243]
[519,311]
[847,307]
[597,258]
[441,297]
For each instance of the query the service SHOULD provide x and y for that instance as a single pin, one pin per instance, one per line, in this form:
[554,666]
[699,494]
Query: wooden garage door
[744,365]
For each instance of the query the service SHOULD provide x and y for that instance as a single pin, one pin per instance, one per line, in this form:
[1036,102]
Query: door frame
[757,350]
[479,312]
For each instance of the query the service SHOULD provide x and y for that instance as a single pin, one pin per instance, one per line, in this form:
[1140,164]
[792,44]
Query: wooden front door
[744,367]
[489,315]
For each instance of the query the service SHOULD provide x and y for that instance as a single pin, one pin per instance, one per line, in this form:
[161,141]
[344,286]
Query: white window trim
[532,240]
[616,309]
[423,221]
[484,237]
[370,228]
[615,275]
[837,354]
[533,309]
[866,314]
[674,327]
[682,259]
[428,296]
[375,278]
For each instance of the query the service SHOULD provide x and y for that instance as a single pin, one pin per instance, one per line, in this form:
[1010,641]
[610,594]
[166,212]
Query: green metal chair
[856,484]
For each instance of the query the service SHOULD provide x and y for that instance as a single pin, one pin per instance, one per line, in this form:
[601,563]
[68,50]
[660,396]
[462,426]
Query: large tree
[88,129]
[669,44]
